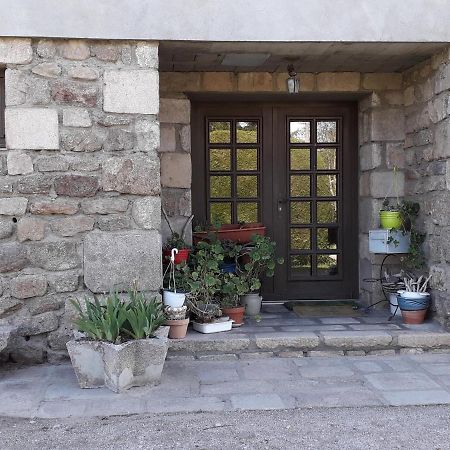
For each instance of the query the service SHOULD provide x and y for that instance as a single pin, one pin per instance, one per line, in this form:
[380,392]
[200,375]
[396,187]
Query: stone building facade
[98,141]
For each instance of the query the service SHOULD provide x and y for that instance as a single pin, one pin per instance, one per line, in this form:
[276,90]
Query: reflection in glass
[326,131]
[300,238]
[247,159]
[326,158]
[247,132]
[247,212]
[300,159]
[326,212]
[327,238]
[301,212]
[219,132]
[220,186]
[300,265]
[300,132]
[327,264]
[300,186]
[326,185]
[219,159]
[220,212]
[247,186]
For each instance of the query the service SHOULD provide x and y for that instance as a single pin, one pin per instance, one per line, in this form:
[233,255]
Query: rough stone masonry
[79,184]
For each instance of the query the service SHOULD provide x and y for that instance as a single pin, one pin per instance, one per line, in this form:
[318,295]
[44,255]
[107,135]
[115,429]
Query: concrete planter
[119,366]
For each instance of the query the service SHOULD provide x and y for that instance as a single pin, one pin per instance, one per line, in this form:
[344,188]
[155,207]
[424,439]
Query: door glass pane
[300,238]
[327,238]
[219,132]
[326,158]
[326,185]
[326,131]
[300,132]
[300,186]
[300,159]
[247,159]
[219,159]
[220,212]
[301,212]
[220,186]
[327,264]
[247,186]
[246,132]
[326,212]
[247,212]
[300,265]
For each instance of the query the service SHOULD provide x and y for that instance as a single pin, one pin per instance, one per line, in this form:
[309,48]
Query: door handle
[281,203]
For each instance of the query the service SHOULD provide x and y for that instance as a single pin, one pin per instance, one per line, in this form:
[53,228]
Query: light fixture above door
[292,83]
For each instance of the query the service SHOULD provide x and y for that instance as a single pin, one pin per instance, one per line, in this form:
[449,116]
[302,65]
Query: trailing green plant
[114,319]
[181,275]
[175,241]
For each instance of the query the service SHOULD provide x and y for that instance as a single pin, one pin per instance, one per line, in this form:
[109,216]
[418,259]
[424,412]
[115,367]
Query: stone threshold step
[306,343]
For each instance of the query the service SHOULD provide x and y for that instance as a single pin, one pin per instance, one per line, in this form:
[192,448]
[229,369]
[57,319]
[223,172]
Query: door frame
[255,105]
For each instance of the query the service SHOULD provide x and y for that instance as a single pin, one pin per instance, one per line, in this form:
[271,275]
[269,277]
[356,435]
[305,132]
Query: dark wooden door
[293,167]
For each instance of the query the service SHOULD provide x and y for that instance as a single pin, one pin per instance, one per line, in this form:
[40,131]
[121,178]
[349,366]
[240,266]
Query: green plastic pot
[390,219]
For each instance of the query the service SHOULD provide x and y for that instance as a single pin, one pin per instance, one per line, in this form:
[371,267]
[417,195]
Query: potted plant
[122,341]
[178,321]
[233,286]
[414,300]
[241,233]
[175,284]
[390,216]
[257,259]
[176,241]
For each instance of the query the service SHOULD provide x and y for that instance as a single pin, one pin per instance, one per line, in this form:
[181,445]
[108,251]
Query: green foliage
[233,286]
[175,241]
[113,319]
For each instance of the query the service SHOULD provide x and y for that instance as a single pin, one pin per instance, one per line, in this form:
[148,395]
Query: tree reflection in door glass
[327,264]
[326,212]
[326,131]
[300,265]
[300,132]
[220,132]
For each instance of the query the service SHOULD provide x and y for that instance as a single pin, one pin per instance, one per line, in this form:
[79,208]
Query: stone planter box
[119,366]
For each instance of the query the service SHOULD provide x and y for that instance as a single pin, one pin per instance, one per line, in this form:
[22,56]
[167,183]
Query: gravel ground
[331,428]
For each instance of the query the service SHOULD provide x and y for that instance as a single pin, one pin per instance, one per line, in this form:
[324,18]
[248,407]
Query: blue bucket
[228,267]
[413,304]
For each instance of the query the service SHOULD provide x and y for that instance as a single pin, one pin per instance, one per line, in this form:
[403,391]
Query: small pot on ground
[177,321]
[414,317]
[236,314]
[252,303]
[414,306]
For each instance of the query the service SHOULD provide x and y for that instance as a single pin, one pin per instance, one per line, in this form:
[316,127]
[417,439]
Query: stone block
[442,79]
[356,339]
[185,138]
[270,341]
[382,184]
[442,140]
[423,137]
[41,323]
[64,281]
[19,163]
[87,164]
[76,117]
[9,306]
[13,206]
[211,342]
[27,286]
[255,82]
[48,70]
[307,82]
[382,81]
[76,185]
[70,226]
[218,81]
[338,81]
[46,48]
[34,184]
[113,260]
[395,155]
[15,87]
[52,164]
[56,206]
[424,340]
[30,229]
[82,140]
[147,213]
[147,54]
[75,49]
[176,170]
[131,91]
[439,107]
[175,111]
[113,222]
[409,97]
[31,128]
[387,125]
[134,174]
[168,140]
[119,139]
[105,52]
[13,257]
[56,256]
[370,156]
[176,202]
[75,93]
[83,73]
[15,51]
[106,205]
[6,230]
[147,136]
[171,82]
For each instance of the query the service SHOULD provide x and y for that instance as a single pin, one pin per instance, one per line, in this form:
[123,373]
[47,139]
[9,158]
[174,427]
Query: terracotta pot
[241,234]
[414,317]
[178,328]
[236,314]
[180,257]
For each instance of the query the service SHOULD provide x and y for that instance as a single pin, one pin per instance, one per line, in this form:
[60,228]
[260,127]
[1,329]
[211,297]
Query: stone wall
[79,182]
[427,150]
[381,138]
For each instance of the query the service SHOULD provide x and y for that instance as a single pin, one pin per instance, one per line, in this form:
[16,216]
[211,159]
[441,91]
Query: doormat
[342,308]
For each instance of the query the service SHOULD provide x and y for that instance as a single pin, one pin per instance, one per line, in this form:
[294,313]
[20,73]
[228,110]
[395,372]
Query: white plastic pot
[413,295]
[173,299]
[214,327]
[393,305]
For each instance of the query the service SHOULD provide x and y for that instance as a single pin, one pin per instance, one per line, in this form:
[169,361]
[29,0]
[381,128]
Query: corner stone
[147,212]
[15,51]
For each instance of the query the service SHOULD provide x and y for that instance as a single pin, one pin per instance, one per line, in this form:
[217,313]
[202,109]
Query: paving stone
[218,357]
[179,404]
[338,320]
[256,355]
[237,387]
[401,381]
[425,340]
[381,352]
[417,397]
[294,340]
[268,369]
[399,365]
[326,359]
[326,353]
[437,369]
[196,342]
[324,371]
[370,327]
[356,339]
[211,376]
[257,402]
[316,328]
[368,366]
[291,354]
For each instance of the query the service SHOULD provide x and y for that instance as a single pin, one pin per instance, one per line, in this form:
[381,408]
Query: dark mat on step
[325,308]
